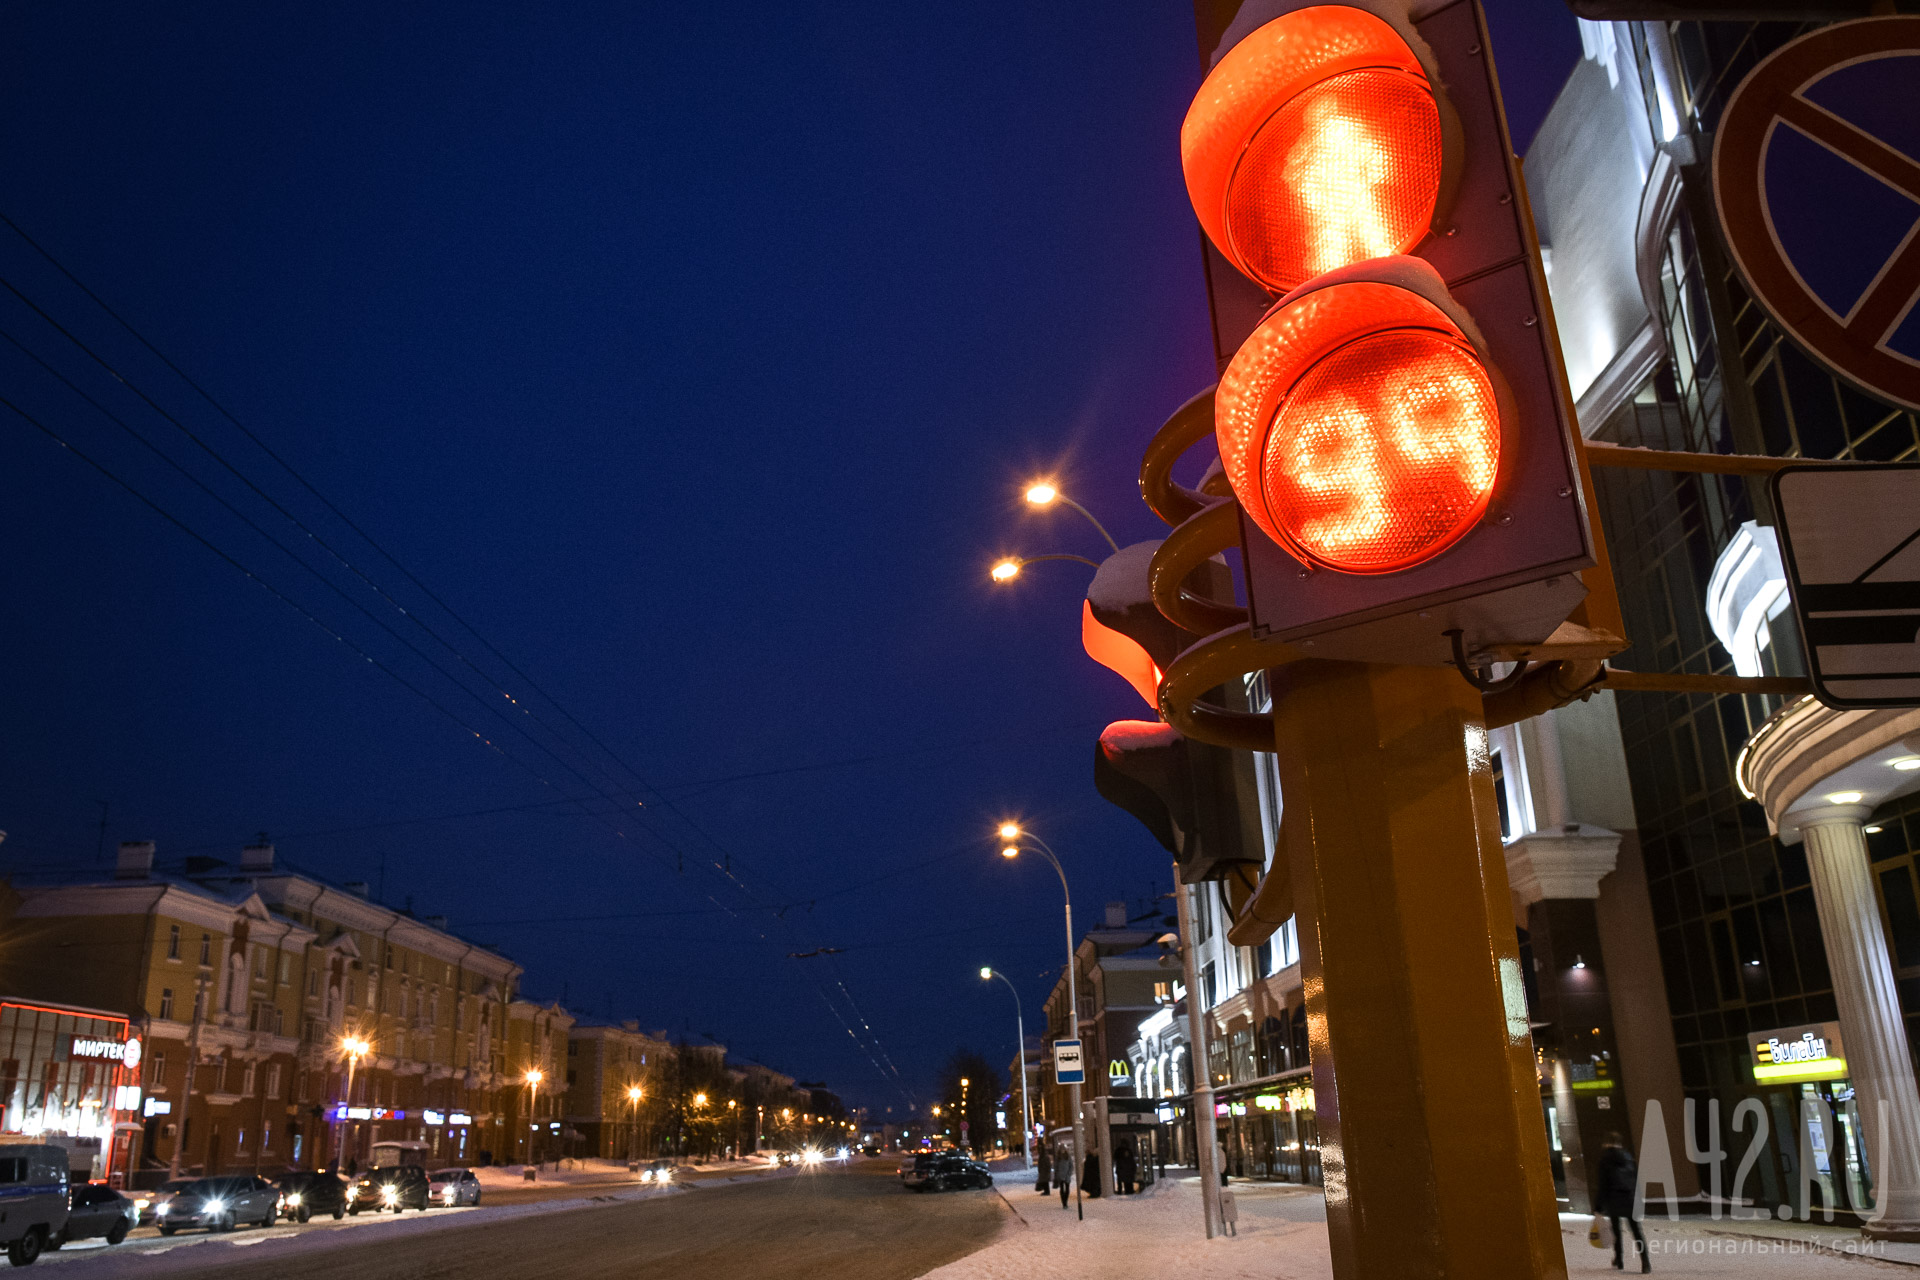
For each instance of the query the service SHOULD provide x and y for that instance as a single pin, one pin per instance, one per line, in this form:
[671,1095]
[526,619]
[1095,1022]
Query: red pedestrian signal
[1396,426]
[1316,142]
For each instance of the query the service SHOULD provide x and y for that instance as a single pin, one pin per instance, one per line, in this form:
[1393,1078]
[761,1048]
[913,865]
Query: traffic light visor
[1314,143]
[1360,427]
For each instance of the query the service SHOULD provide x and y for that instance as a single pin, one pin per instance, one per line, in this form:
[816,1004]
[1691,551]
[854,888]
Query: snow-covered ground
[1282,1236]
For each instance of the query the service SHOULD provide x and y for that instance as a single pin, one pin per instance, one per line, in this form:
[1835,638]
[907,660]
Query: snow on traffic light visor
[1359,425]
[1314,143]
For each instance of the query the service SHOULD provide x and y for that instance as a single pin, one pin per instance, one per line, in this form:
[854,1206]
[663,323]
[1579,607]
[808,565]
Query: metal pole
[1203,1123]
[193,1066]
[1073,1091]
[1020,1025]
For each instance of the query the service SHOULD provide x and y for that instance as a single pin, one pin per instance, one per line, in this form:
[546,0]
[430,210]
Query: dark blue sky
[695,355]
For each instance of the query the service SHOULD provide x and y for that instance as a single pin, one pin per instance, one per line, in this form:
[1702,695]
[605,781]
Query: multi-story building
[533,1083]
[618,1078]
[251,989]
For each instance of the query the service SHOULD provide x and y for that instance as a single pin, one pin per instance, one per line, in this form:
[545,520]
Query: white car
[453,1187]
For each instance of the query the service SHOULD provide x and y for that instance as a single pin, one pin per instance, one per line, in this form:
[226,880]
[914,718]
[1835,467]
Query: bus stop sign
[1067,1065]
[1850,541]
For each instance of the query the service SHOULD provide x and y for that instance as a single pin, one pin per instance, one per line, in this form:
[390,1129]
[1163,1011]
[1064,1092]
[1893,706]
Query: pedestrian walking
[1125,1166]
[1619,1177]
[1044,1183]
[1063,1175]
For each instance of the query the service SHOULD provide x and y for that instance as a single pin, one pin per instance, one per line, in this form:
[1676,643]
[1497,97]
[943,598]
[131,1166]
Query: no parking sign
[1816,173]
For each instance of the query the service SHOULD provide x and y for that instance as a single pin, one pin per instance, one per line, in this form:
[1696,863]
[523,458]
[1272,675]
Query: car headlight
[216,1206]
[161,1212]
[389,1192]
[450,1192]
[139,1205]
[646,1175]
[293,1198]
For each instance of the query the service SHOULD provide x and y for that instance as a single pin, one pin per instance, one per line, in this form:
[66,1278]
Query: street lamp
[356,1048]
[988,973]
[1017,838]
[534,1076]
[1044,493]
[1007,569]
[634,1094]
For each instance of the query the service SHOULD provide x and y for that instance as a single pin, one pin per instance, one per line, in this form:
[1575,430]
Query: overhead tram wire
[725,871]
[485,703]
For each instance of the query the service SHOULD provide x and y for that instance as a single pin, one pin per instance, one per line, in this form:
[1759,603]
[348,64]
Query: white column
[1871,1028]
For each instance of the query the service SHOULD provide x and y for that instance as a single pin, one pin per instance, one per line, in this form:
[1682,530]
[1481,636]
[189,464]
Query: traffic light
[1394,420]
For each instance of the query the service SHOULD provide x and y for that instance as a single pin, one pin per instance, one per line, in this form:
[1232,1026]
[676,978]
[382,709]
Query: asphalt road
[839,1223]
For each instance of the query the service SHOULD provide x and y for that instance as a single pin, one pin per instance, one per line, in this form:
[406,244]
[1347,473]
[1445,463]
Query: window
[266,1136]
[1500,795]
[246,1080]
[273,1080]
[206,948]
[286,968]
[166,1003]
[573,1048]
[173,942]
[313,983]
[240,1142]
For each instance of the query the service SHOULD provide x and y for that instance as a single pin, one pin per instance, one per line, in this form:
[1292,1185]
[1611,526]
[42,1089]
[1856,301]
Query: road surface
[837,1223]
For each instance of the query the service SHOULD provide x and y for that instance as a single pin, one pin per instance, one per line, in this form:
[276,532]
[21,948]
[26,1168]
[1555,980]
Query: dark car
[304,1194]
[945,1171]
[219,1204]
[398,1188]
[95,1209]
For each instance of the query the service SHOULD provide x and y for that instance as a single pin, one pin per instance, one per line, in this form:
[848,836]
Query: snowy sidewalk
[1283,1236]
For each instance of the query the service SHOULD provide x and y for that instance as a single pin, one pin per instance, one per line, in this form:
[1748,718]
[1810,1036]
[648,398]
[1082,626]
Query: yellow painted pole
[1433,1143]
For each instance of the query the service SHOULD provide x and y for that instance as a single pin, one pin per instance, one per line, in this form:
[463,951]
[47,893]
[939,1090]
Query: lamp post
[634,1094]
[1014,836]
[534,1076]
[1020,1022]
[1044,493]
[356,1048]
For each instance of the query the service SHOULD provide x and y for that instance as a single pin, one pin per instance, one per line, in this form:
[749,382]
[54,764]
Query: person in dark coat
[1063,1175]
[1125,1166]
[1045,1169]
[1090,1176]
[1618,1177]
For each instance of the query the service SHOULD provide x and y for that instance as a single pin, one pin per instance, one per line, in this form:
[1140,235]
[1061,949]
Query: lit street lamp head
[535,1075]
[1041,493]
[1006,570]
[1009,831]
[1011,851]
[985,973]
[634,1093]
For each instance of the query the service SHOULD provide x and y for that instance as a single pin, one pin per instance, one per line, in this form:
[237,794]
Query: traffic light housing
[1396,426]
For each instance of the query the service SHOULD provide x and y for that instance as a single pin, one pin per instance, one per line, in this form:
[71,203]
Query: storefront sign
[459,1117]
[111,1050]
[434,1117]
[1267,1102]
[126,1097]
[157,1107]
[1118,1073]
[1798,1053]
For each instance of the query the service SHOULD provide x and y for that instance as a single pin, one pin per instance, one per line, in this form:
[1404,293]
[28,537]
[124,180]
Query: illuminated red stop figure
[1316,142]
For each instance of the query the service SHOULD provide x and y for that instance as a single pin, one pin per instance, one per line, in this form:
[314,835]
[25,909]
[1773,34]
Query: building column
[1871,1027]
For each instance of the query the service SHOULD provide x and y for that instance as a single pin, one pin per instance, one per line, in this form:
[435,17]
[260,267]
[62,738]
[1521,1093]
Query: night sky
[695,355]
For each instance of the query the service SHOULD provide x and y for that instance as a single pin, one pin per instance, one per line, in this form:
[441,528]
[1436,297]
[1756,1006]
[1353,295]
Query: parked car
[304,1194]
[945,1171]
[95,1209]
[454,1187]
[220,1203]
[33,1181]
[398,1188]
[146,1203]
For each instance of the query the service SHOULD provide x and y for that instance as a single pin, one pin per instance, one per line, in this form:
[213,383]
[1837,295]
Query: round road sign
[1816,172]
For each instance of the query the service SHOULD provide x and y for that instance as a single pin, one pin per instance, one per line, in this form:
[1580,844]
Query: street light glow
[1009,831]
[355,1045]
[535,1075]
[985,972]
[1006,570]
[633,1093]
[699,1099]
[1010,851]
[1040,493]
